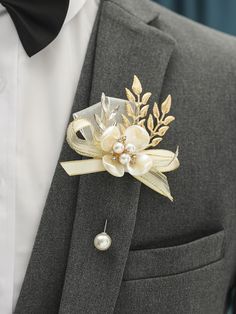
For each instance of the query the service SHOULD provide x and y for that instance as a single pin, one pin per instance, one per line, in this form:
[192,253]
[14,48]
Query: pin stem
[105,227]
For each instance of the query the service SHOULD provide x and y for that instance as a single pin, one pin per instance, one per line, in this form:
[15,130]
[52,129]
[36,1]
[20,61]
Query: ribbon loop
[82,146]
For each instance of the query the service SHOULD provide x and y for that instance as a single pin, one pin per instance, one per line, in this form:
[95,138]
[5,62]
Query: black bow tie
[38,22]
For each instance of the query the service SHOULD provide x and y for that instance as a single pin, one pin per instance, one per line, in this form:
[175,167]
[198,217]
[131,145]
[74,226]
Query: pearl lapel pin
[102,241]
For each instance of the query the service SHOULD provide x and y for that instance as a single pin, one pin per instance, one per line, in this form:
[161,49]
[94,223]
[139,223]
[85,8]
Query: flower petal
[109,137]
[141,166]
[113,166]
[138,136]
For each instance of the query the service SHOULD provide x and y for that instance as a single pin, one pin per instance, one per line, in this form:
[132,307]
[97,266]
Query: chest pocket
[172,260]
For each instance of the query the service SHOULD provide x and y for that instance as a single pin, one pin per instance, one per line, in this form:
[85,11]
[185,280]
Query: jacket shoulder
[206,42]
[184,31]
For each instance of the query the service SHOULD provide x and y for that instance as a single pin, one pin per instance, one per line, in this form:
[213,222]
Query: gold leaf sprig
[137,105]
[157,122]
[160,126]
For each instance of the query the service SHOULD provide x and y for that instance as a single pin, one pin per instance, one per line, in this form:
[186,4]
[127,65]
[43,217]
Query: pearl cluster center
[123,152]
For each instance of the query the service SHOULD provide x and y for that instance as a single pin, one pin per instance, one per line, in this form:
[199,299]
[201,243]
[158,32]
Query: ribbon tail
[157,181]
[79,167]
[163,160]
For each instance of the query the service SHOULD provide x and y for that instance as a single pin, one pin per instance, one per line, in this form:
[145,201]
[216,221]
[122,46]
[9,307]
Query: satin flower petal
[142,165]
[109,138]
[137,136]
[113,166]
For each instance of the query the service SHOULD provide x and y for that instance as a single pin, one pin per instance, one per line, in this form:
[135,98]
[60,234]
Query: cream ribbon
[163,160]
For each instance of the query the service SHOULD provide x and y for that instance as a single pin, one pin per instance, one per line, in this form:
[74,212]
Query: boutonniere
[121,136]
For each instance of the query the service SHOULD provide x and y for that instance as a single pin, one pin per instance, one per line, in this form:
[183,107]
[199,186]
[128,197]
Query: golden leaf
[122,128]
[144,111]
[165,107]
[129,110]
[150,123]
[156,111]
[162,130]
[146,97]
[168,120]
[129,95]
[136,87]
[142,123]
[156,141]
[126,121]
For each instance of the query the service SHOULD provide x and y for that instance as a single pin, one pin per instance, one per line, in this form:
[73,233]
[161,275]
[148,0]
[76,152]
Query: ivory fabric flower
[125,153]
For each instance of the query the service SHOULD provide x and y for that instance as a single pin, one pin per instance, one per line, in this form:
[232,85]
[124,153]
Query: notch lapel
[126,45]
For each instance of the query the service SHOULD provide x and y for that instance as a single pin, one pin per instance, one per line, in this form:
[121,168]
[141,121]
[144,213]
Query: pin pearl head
[102,241]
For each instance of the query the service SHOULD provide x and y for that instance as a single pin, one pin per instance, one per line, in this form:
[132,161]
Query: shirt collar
[74,7]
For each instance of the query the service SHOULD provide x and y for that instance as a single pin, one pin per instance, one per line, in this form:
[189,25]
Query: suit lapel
[125,46]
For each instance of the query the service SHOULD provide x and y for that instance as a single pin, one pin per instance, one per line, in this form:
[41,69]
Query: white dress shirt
[36,97]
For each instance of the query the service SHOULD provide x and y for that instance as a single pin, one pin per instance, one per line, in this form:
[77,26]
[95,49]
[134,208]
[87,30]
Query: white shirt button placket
[8,103]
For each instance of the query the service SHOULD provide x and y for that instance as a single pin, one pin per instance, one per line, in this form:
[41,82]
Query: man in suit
[165,257]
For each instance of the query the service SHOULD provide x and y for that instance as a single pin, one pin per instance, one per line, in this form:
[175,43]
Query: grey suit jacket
[166,257]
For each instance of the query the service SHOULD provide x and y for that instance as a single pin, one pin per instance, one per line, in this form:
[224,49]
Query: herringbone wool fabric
[179,257]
